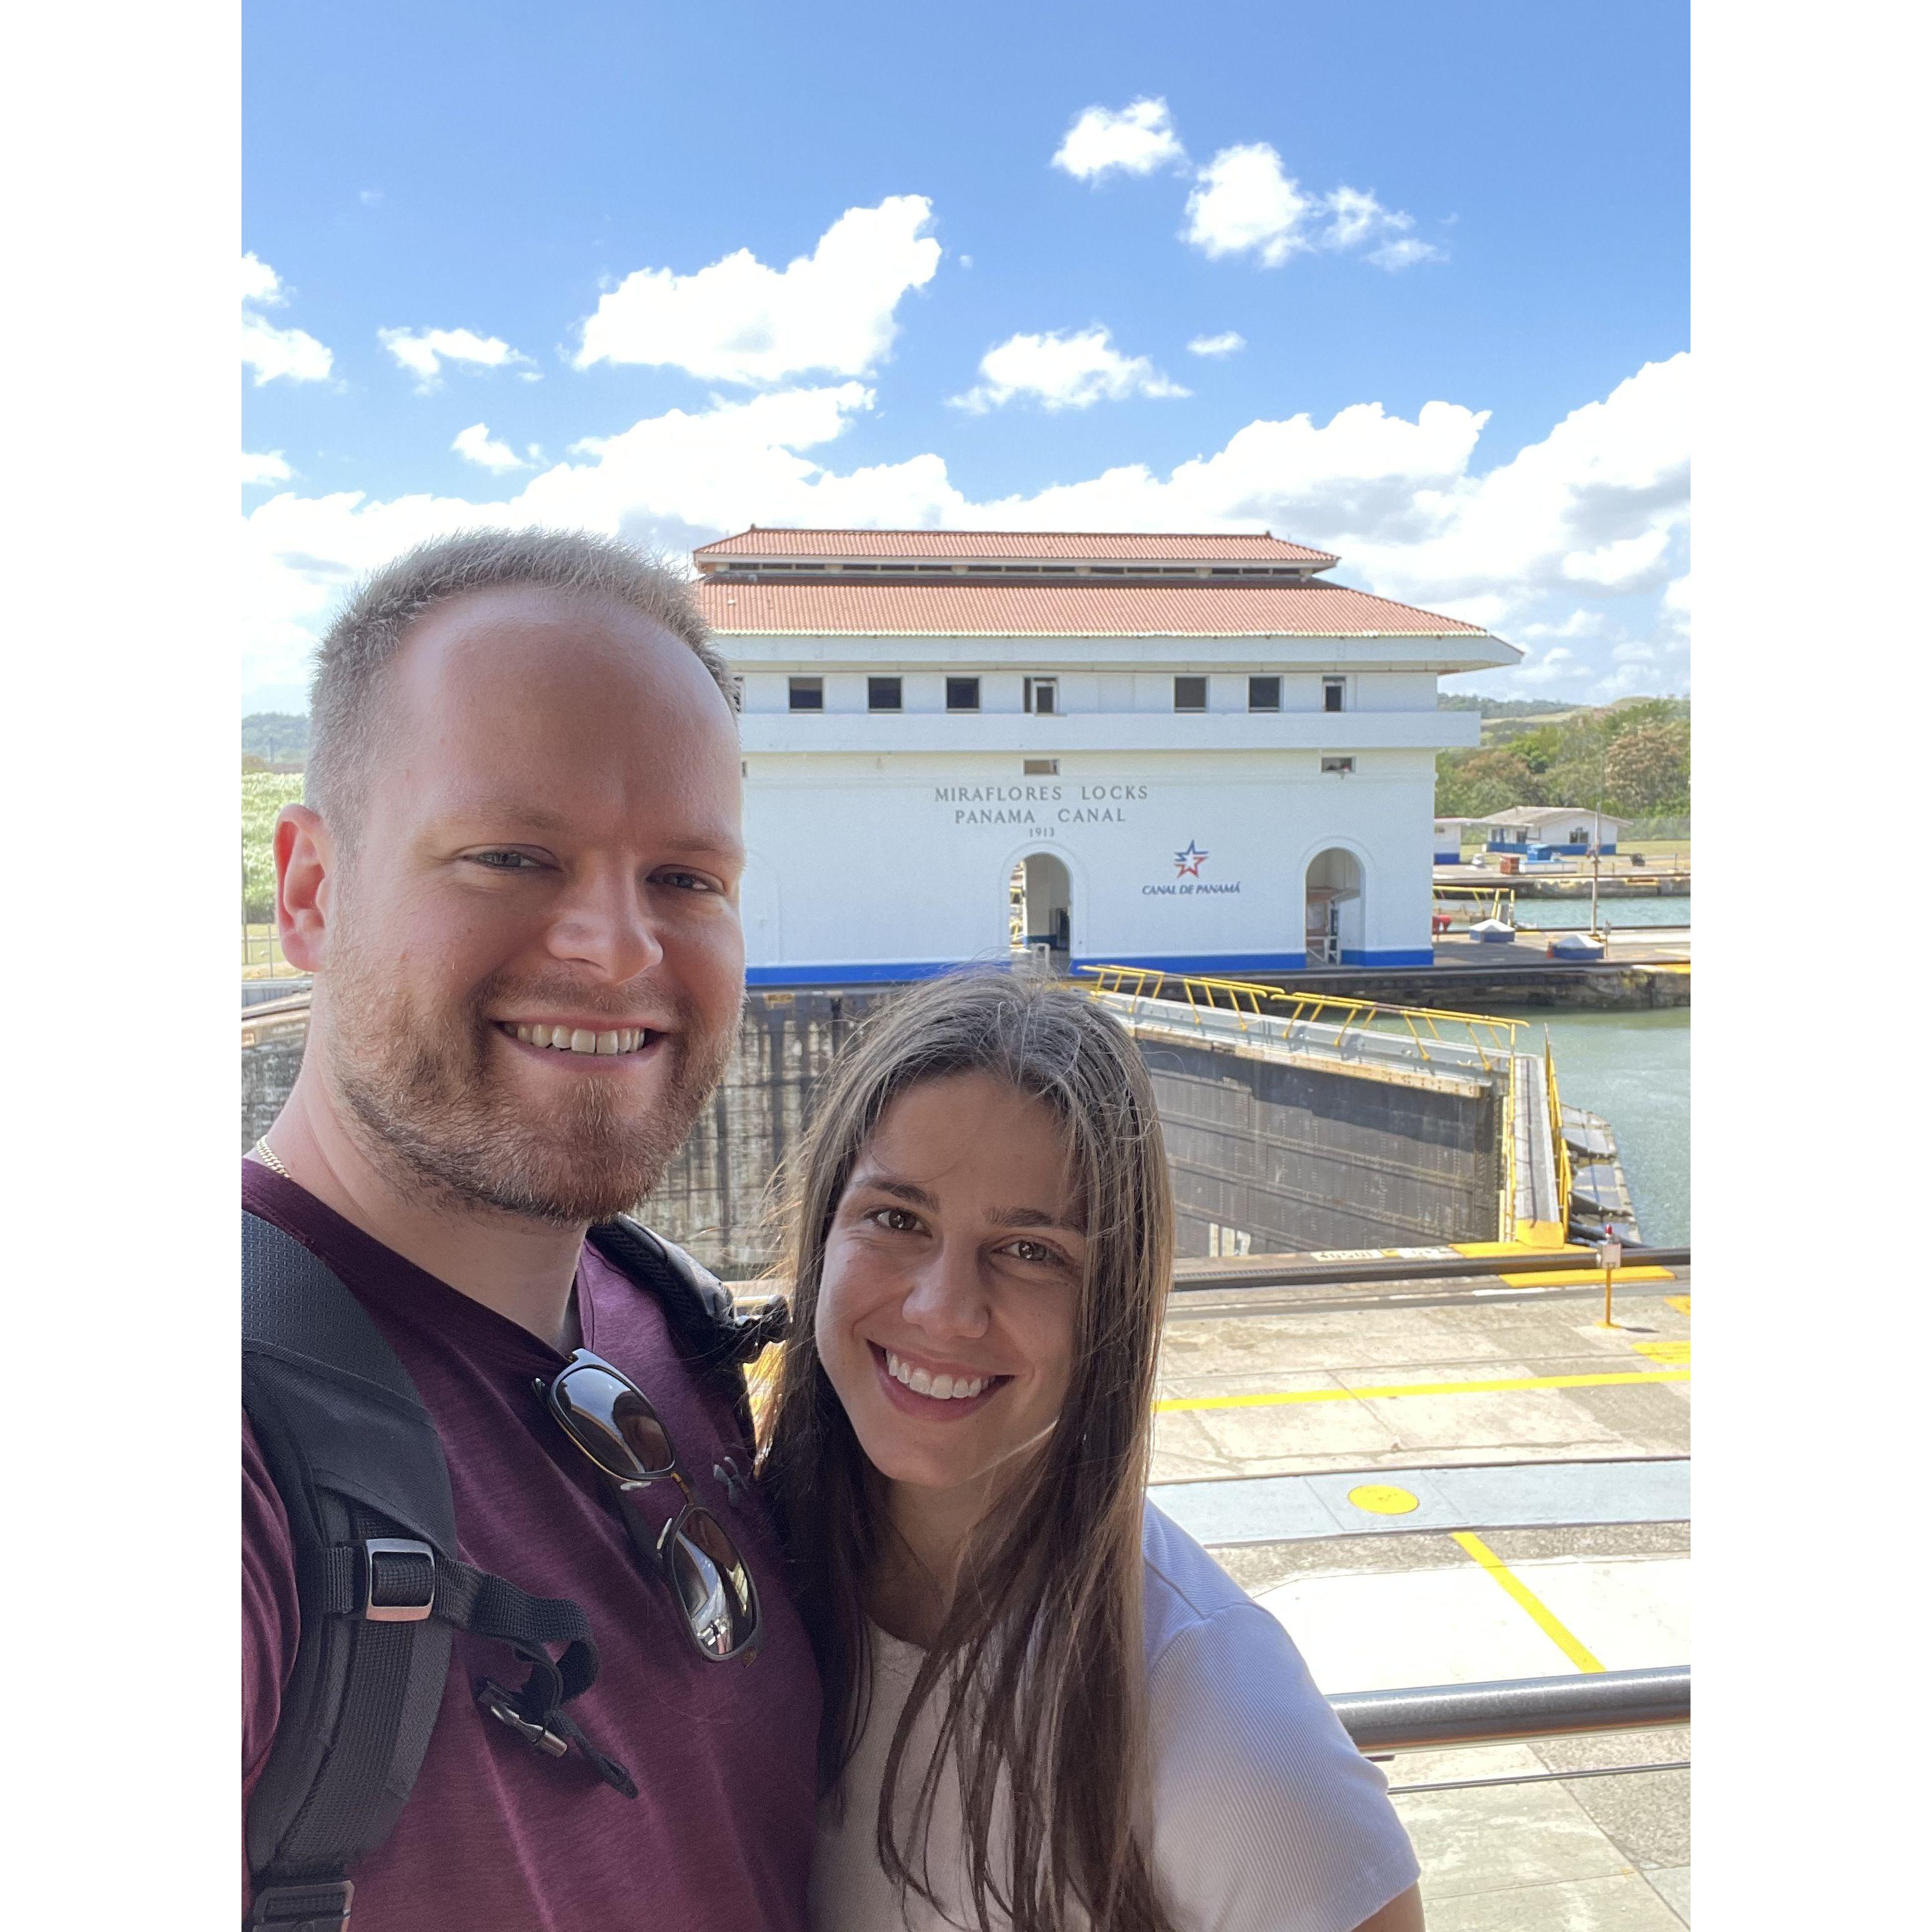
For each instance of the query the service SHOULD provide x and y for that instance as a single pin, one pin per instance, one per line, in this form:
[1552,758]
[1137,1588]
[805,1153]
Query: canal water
[1634,1069]
[1574,915]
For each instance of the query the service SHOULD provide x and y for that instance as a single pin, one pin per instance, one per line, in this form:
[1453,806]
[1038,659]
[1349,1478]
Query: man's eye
[687,882]
[504,862]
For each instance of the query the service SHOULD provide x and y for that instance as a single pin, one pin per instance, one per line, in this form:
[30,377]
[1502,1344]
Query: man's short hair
[345,700]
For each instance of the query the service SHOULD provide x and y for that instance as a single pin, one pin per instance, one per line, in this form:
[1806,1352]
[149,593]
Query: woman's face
[946,1311]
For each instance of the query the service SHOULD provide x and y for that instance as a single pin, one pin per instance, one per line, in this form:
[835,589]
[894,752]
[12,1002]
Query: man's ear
[305,862]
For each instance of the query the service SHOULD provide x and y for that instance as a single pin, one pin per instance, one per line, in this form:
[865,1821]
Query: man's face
[549,852]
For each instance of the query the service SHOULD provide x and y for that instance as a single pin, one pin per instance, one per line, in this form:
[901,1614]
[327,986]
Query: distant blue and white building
[1554,831]
[1188,752]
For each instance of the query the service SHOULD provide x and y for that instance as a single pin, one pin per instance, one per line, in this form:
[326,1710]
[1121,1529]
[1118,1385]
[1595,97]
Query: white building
[1567,828]
[1449,839]
[1190,752]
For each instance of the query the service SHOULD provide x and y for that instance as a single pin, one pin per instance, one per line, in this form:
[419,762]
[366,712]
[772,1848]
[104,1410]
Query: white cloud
[1244,199]
[1135,141]
[272,352]
[739,321]
[268,467]
[269,351]
[1403,501]
[476,444]
[1405,253]
[1228,343]
[424,351]
[1578,624]
[1063,372]
[1560,662]
[1356,217]
[260,284]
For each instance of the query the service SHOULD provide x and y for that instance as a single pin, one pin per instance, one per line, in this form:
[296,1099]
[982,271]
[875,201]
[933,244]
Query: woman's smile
[942,1395]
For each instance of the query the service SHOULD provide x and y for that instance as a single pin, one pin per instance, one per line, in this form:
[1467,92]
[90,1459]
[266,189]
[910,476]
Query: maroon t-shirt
[497,1838]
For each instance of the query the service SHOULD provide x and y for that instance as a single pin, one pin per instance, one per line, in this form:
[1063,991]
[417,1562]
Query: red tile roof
[941,546]
[1205,608]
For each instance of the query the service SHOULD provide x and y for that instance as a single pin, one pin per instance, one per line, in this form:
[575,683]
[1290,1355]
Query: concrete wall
[1283,1156]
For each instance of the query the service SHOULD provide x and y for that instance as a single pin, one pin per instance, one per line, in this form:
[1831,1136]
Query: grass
[262,956]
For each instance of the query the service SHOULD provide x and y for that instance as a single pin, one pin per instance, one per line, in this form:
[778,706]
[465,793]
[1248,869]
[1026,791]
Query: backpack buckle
[398,1583]
[321,1907]
[503,1707]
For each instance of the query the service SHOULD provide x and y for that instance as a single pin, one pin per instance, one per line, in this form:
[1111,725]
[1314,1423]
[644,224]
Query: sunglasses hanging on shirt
[612,1421]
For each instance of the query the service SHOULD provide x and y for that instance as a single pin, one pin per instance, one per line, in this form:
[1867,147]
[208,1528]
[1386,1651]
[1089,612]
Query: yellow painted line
[1664,1352]
[1563,1277]
[1484,1250]
[1278,1398]
[1681,1302]
[1558,1632]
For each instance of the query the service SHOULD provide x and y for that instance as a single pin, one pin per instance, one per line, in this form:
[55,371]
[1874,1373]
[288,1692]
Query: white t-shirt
[1266,1819]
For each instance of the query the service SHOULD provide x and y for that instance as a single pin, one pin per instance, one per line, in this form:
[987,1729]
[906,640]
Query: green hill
[1632,758]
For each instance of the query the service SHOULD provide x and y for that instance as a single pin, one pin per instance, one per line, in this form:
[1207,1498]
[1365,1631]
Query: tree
[1480,782]
[1647,771]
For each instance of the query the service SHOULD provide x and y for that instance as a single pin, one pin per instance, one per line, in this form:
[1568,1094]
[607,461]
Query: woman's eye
[895,1220]
[1036,1253]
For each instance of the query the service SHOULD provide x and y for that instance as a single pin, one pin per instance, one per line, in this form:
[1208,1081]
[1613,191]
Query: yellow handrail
[1245,999]
[1564,1177]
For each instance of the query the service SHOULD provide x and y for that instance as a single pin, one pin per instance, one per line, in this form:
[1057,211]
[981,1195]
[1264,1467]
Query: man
[514,882]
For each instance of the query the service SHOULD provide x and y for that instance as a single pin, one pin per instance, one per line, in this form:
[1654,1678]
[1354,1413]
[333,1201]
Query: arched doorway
[1040,902]
[1334,902]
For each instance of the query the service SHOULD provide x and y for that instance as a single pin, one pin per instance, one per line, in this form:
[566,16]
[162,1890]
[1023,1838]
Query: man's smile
[583,1041]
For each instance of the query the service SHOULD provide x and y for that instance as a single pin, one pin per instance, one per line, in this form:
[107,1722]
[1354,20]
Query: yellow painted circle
[1383,1499]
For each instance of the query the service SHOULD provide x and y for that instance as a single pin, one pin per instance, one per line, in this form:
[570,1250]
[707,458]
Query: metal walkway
[1391,1502]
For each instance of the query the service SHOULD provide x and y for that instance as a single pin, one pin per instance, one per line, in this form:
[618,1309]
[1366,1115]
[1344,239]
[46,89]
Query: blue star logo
[1187,864]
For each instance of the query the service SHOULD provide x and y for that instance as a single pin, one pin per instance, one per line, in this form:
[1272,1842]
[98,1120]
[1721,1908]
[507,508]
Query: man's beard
[420,1091]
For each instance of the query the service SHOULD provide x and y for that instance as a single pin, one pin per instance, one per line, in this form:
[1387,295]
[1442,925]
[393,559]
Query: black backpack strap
[711,1334]
[358,1465]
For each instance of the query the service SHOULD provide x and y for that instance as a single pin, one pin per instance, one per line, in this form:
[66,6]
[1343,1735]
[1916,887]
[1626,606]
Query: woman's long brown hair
[1038,1671]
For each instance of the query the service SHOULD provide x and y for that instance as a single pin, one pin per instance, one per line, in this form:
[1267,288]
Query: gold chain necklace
[269,1158]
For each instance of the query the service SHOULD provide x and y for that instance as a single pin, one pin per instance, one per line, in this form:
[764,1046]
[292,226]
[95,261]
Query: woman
[1047,1707]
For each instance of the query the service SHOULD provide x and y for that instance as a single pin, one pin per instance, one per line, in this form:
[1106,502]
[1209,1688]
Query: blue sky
[1451,244]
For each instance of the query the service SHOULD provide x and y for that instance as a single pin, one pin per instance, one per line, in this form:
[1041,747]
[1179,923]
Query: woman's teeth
[581,1040]
[945,1388]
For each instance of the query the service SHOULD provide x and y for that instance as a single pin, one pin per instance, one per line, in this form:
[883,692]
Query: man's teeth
[944,1388]
[581,1040]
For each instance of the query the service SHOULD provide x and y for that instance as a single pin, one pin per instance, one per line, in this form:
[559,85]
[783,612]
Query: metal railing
[1489,901]
[1444,1716]
[1493,1039]
[1506,1214]
[1565,1178]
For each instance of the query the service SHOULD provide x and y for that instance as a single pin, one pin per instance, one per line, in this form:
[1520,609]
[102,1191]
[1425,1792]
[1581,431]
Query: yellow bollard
[1613,1257]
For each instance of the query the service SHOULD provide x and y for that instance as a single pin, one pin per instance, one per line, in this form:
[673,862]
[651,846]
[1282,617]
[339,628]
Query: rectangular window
[1264,694]
[1042,696]
[1190,694]
[807,693]
[1039,768]
[885,693]
[1332,688]
[962,693]
[1342,766]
